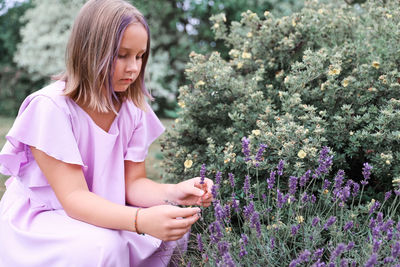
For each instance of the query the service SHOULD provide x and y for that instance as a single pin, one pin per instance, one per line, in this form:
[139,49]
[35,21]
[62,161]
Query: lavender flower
[245,239]
[330,221]
[397,192]
[304,198]
[371,261]
[243,251]
[246,185]
[218,177]
[259,154]
[255,223]
[235,203]
[339,179]
[350,246]
[264,197]
[272,246]
[313,198]
[215,232]
[304,178]
[231,179]
[218,212]
[348,225]
[374,207]
[388,260]
[246,149]
[326,185]
[202,173]
[386,227]
[344,263]
[227,211]
[223,247]
[388,194]
[200,243]
[340,248]
[366,173]
[356,189]
[396,250]
[318,253]
[295,229]
[214,191]
[248,210]
[376,245]
[271,180]
[281,164]
[228,260]
[292,185]
[305,256]
[279,199]
[315,221]
[294,263]
[189,264]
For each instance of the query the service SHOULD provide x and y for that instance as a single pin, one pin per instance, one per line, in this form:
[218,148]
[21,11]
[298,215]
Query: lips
[127,80]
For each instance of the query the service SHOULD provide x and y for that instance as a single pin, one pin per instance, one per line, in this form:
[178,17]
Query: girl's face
[129,61]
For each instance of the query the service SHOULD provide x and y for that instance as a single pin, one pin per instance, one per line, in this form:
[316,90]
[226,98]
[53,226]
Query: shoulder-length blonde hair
[92,50]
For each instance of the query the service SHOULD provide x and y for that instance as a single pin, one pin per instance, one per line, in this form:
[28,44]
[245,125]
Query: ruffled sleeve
[147,129]
[40,123]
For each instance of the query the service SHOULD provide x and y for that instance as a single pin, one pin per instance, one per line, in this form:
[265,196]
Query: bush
[317,221]
[326,76]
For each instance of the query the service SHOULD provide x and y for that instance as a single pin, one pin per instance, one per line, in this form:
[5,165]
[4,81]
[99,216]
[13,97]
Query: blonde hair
[91,51]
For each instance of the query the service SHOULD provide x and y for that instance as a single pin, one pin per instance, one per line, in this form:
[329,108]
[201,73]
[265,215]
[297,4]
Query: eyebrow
[140,51]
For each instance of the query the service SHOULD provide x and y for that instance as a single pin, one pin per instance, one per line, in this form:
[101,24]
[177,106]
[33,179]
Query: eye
[139,56]
[121,56]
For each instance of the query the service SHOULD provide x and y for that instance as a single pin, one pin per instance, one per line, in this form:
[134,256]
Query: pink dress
[34,228]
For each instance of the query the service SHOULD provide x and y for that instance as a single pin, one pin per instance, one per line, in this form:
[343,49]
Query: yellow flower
[396,181]
[345,82]
[240,65]
[224,17]
[249,34]
[333,71]
[351,132]
[301,154]
[228,229]
[256,132]
[176,120]
[375,64]
[326,191]
[246,55]
[227,160]
[294,23]
[181,104]
[188,163]
[266,13]
[300,219]
[387,162]
[199,83]
[216,26]
[388,16]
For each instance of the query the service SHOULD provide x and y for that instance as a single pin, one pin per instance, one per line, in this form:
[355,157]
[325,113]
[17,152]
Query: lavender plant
[315,221]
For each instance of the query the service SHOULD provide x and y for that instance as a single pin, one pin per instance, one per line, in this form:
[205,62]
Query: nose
[133,65]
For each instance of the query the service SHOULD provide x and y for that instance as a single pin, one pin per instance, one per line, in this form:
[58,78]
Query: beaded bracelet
[136,217]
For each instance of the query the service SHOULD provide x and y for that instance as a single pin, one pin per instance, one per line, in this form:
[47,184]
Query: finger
[186,223]
[185,212]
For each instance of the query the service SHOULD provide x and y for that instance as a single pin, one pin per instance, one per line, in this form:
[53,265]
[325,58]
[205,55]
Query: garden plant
[317,94]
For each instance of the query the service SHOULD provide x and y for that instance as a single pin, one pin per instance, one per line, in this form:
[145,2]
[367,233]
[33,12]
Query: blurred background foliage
[34,33]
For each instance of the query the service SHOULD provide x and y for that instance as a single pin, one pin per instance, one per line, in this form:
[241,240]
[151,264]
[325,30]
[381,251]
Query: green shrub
[328,75]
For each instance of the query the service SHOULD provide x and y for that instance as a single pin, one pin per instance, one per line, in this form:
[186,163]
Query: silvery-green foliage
[327,75]
[45,36]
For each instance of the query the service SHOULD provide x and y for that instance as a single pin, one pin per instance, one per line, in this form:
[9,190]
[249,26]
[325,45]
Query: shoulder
[50,97]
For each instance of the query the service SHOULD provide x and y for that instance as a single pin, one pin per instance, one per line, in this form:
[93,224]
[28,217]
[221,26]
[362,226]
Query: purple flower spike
[348,225]
[260,153]
[246,148]
[388,195]
[199,243]
[330,221]
[245,239]
[350,246]
[295,229]
[218,177]
[271,180]
[315,221]
[371,261]
[366,173]
[246,185]
[231,179]
[340,248]
[281,164]
[292,185]
[202,173]
[396,250]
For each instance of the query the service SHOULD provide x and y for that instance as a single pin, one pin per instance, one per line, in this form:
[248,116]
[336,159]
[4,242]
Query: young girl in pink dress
[77,195]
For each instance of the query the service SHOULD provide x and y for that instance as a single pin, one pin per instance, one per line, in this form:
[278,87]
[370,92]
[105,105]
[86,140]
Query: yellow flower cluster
[246,55]
[333,71]
[302,154]
[199,83]
[188,163]
[376,64]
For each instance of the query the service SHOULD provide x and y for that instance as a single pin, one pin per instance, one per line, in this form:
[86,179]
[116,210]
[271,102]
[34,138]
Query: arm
[69,185]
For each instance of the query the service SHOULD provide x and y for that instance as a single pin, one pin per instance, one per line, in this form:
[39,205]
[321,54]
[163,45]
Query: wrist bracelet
[136,217]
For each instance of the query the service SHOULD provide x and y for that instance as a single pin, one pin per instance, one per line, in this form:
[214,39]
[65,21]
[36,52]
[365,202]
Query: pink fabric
[34,229]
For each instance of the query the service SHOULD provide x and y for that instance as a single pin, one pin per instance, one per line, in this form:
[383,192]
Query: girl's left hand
[191,192]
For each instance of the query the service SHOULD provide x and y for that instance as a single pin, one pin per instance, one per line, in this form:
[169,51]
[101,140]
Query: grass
[154,157]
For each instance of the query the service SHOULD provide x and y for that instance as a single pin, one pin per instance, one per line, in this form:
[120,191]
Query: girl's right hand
[166,222]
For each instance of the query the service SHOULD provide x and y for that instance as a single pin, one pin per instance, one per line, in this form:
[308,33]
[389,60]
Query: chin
[121,88]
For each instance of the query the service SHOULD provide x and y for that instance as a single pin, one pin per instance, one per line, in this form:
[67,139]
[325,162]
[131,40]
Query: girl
[76,155]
